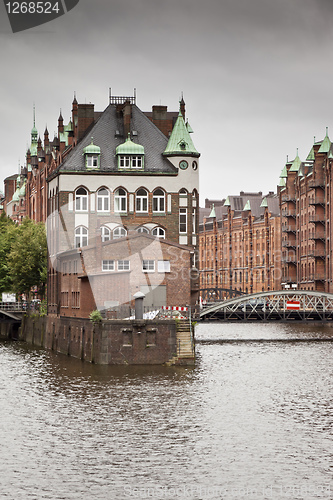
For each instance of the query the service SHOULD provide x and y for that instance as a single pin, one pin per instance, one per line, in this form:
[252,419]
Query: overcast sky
[257,77]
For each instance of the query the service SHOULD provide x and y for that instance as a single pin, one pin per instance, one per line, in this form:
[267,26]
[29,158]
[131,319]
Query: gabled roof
[180,142]
[295,164]
[247,206]
[148,136]
[325,145]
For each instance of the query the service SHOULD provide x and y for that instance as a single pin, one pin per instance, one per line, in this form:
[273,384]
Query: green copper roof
[212,213]
[247,206]
[295,164]
[180,142]
[311,155]
[264,203]
[22,190]
[284,172]
[129,148]
[325,145]
[92,149]
[282,182]
[189,128]
[227,202]
[16,195]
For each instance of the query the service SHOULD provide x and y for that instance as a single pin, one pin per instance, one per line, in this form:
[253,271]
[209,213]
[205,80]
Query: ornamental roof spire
[180,142]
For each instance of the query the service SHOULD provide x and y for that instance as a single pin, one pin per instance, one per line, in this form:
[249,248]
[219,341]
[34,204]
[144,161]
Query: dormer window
[92,155]
[130,155]
[91,161]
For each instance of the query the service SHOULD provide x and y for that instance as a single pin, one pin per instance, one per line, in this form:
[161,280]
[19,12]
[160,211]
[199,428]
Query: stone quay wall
[132,342]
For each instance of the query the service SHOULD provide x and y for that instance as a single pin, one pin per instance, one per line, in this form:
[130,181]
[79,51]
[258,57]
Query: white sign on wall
[8,297]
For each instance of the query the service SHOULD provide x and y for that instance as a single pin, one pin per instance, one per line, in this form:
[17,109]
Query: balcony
[317,235]
[317,218]
[318,253]
[289,260]
[317,277]
[317,200]
[313,183]
[288,197]
[288,228]
[289,244]
[288,213]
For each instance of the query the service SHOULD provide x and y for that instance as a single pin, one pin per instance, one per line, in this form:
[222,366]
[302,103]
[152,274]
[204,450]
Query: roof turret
[180,142]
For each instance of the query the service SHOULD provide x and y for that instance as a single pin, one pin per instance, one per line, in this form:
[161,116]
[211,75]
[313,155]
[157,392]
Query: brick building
[111,175]
[108,274]
[239,245]
[306,211]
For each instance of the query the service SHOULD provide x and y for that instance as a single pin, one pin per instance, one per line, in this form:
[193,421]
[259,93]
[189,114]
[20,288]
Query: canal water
[252,420]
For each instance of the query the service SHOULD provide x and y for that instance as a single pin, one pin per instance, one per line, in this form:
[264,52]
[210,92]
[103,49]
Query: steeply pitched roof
[104,134]
[180,142]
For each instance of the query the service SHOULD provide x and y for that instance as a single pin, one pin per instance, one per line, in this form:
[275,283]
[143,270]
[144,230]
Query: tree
[7,240]
[28,258]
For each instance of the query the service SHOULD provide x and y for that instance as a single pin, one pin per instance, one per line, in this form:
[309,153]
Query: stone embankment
[132,342]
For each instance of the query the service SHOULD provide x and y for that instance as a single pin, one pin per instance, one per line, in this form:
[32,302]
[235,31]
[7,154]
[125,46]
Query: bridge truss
[281,305]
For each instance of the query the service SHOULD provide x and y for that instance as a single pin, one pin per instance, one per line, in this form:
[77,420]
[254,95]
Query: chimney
[127,113]
[85,119]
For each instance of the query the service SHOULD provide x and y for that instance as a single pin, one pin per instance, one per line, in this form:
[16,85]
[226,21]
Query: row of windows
[148,266]
[81,234]
[120,200]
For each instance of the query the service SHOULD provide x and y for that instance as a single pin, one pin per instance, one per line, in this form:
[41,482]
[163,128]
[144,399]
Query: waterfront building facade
[239,246]
[306,212]
[123,173]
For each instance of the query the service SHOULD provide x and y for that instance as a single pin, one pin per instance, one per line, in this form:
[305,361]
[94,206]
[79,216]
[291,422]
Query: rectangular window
[193,221]
[75,267]
[92,161]
[107,265]
[163,266]
[124,162]
[148,266]
[123,265]
[183,220]
[64,268]
[75,300]
[136,161]
[64,299]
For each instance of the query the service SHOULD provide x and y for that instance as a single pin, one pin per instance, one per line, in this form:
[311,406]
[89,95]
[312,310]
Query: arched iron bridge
[281,305]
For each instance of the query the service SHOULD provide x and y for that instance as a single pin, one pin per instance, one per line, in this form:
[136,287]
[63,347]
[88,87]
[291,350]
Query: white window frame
[182,223]
[158,201]
[103,200]
[92,161]
[120,201]
[163,266]
[105,234]
[81,200]
[123,265]
[119,232]
[130,161]
[80,237]
[142,230]
[141,201]
[158,232]
[108,265]
[148,266]
[193,220]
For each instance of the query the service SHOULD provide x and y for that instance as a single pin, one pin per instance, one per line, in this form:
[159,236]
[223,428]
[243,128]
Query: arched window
[81,237]
[142,200]
[103,200]
[106,233]
[119,232]
[81,200]
[142,229]
[159,232]
[120,200]
[158,200]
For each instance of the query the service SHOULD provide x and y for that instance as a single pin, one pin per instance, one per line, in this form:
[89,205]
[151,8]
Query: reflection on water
[251,420]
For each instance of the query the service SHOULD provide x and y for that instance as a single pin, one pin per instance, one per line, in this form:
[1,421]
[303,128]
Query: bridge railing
[19,306]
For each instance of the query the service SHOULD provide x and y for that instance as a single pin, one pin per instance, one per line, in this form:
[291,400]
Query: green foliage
[27,260]
[95,316]
[7,240]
